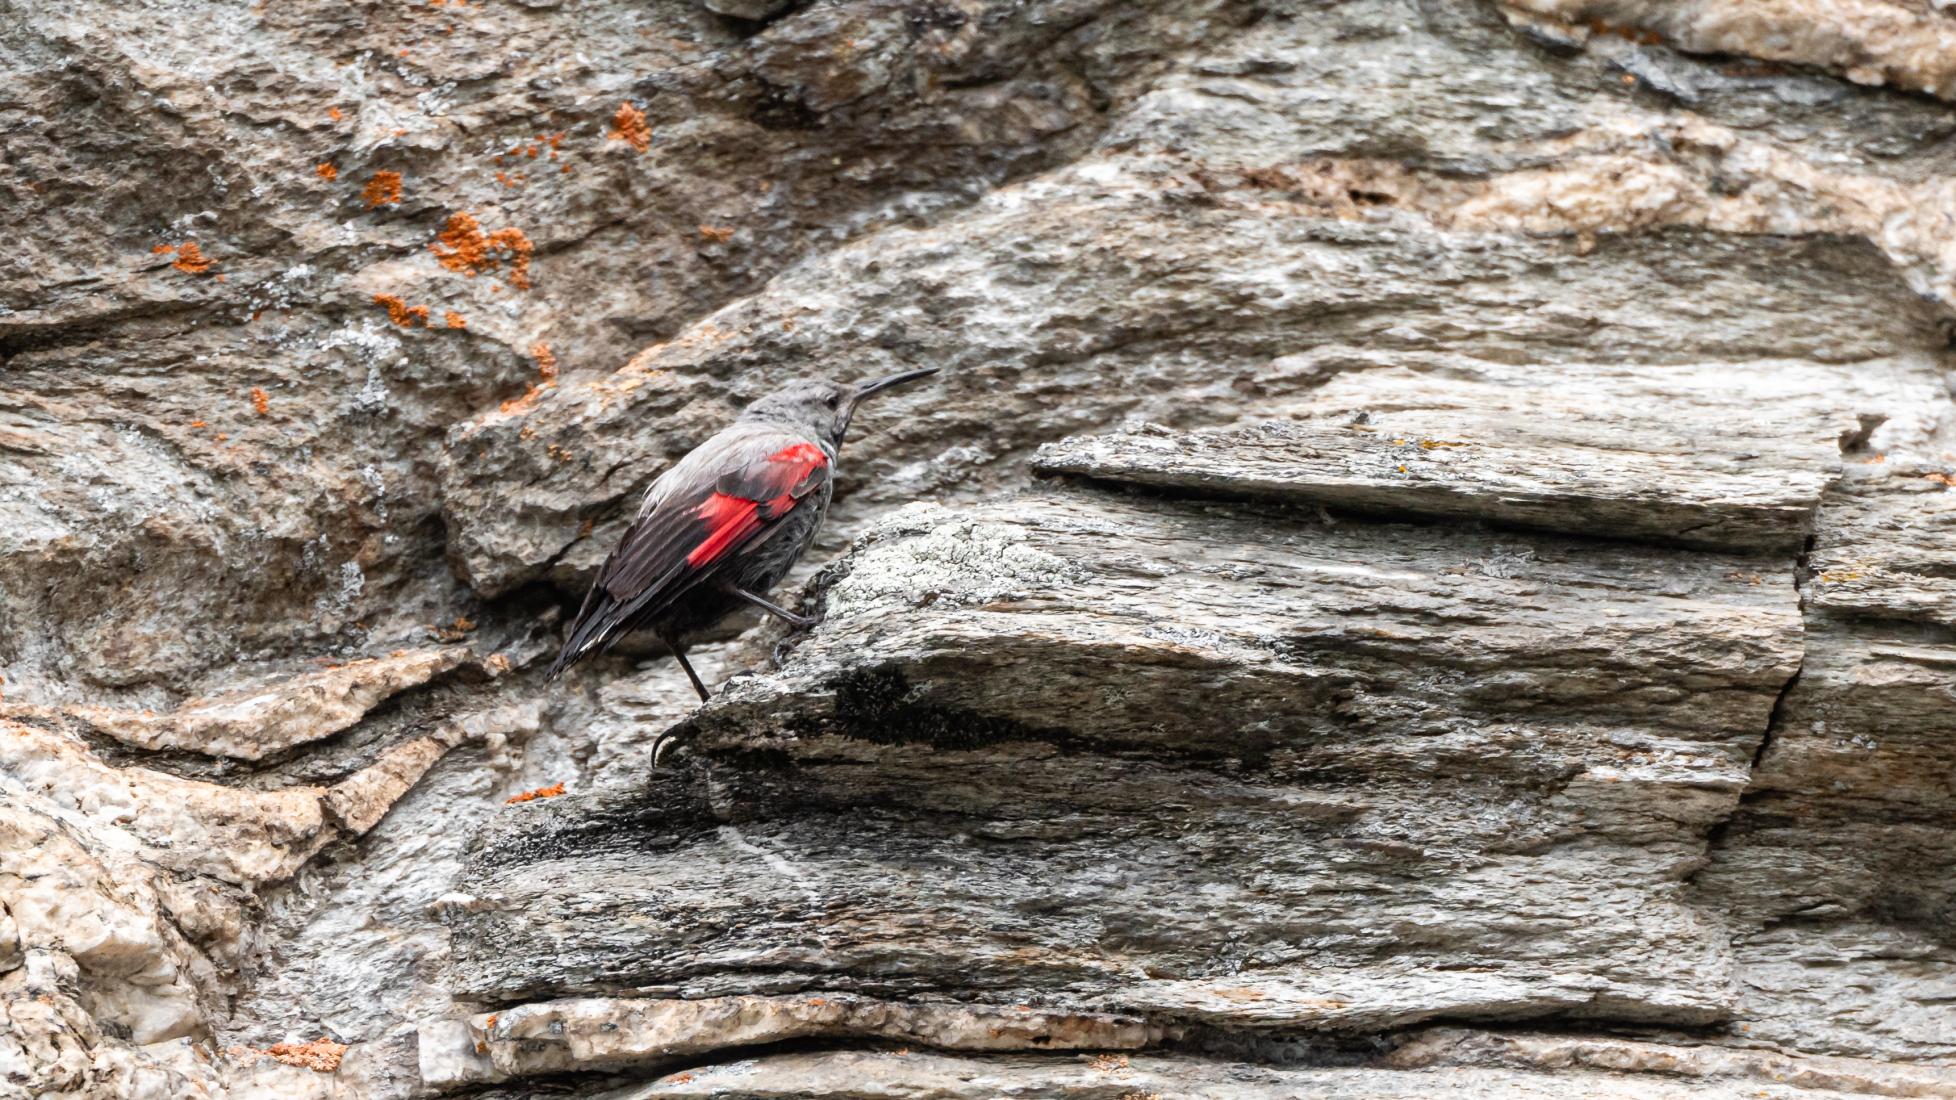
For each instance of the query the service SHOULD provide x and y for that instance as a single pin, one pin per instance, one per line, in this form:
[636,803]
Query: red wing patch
[797,463]
[731,517]
[728,520]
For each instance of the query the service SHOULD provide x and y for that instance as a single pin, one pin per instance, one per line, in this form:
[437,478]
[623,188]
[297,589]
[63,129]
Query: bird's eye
[832,399]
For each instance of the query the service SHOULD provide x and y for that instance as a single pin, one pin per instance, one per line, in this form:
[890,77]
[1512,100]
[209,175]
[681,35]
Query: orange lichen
[400,312]
[199,424]
[1628,34]
[1944,479]
[191,259]
[464,624]
[719,234]
[467,246]
[515,245]
[463,247]
[163,250]
[491,1021]
[454,320]
[628,126]
[261,401]
[322,1055]
[334,114]
[327,172]
[546,362]
[384,189]
[551,791]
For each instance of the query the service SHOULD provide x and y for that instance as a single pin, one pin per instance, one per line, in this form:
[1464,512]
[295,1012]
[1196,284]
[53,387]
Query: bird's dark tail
[587,630]
[603,620]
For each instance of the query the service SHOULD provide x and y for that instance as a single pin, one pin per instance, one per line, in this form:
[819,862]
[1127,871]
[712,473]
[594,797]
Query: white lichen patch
[922,552]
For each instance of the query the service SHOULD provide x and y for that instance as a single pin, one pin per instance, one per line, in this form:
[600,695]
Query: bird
[724,524]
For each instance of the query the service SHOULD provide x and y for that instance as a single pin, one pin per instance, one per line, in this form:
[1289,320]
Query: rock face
[1429,564]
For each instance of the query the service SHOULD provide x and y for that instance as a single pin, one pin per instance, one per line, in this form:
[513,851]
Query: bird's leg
[679,655]
[801,622]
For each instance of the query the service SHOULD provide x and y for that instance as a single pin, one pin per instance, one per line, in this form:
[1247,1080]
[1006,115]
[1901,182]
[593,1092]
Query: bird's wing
[732,491]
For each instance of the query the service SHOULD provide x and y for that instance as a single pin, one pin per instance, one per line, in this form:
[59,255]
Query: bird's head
[821,407]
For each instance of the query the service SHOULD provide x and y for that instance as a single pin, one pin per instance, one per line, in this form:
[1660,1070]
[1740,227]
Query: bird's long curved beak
[881,384]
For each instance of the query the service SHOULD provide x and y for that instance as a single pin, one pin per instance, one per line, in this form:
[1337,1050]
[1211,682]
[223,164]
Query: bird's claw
[659,745]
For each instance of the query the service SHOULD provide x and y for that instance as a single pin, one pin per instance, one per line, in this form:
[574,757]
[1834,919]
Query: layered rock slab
[1144,756]
[1835,873]
[621,1033]
[886,1075]
[1049,308]
[1885,546]
[1723,456]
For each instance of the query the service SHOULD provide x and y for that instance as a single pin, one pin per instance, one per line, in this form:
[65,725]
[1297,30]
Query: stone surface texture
[1429,565]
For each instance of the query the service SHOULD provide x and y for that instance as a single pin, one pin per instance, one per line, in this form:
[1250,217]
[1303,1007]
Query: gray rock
[1257,784]
[749,9]
[889,1074]
[1142,758]
[609,1033]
